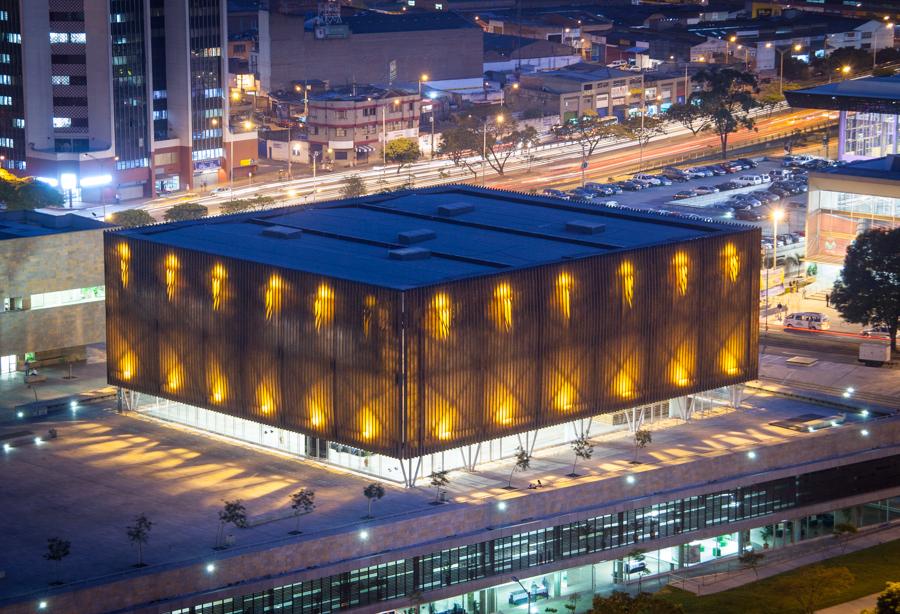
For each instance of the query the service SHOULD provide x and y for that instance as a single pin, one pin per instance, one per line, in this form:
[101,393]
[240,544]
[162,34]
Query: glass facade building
[207,87]
[12,98]
[129,83]
[520,552]
[864,136]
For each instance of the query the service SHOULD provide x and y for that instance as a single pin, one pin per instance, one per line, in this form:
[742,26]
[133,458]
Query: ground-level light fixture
[364,535]
[501,506]
[751,455]
[630,479]
[42,605]
[210,567]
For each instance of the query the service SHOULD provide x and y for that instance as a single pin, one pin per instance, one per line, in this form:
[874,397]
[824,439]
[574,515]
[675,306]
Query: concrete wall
[257,568]
[51,263]
[295,55]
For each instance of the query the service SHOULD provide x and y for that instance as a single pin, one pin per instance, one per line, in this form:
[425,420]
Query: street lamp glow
[364,535]
[733,38]
[864,432]
[864,413]
[798,47]
[7,447]
[630,479]
[210,567]
[502,506]
[845,69]
[42,605]
[248,125]
[778,215]
[751,455]
[424,77]
[20,414]
[500,119]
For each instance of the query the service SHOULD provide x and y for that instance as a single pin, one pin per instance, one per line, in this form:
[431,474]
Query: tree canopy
[402,151]
[868,290]
[588,131]
[353,187]
[22,193]
[725,100]
[129,218]
[186,211]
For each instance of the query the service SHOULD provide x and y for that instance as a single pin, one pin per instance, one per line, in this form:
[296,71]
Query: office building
[121,100]
[50,311]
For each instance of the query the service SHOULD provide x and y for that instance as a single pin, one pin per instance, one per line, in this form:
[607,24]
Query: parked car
[748,163]
[733,167]
[765,197]
[556,194]
[797,237]
[682,194]
[796,160]
[651,179]
[748,180]
[663,180]
[675,174]
[600,188]
[747,215]
[728,185]
[630,186]
[747,199]
[705,189]
[779,191]
[724,207]
[716,169]
[582,193]
[786,238]
[699,171]
[642,182]
[607,203]
[781,174]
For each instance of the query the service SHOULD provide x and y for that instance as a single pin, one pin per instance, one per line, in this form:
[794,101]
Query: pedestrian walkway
[851,607]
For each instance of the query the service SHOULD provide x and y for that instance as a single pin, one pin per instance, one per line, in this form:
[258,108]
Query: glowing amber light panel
[171,272]
[503,307]
[626,278]
[564,295]
[218,384]
[368,312]
[368,424]
[323,306]
[504,407]
[440,316]
[128,365]
[273,296]
[731,262]
[265,398]
[217,286]
[124,253]
[680,266]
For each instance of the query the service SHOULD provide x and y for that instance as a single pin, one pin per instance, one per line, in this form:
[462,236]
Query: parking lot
[707,197]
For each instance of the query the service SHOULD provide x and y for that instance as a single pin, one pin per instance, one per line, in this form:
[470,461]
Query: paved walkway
[851,607]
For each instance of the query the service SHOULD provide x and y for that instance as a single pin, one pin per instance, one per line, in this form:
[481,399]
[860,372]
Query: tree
[353,187]
[186,211]
[571,603]
[689,115]
[503,139]
[139,534]
[770,97]
[302,502]
[23,193]
[751,560]
[811,586]
[868,289]
[588,131]
[237,205]
[523,463]
[725,100]
[842,532]
[583,450]
[458,143]
[57,550]
[623,603]
[130,218]
[402,151]
[642,437]
[889,599]
[233,512]
[642,130]
[373,492]
[439,480]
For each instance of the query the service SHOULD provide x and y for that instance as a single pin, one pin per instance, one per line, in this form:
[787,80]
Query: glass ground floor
[513,562]
[409,471]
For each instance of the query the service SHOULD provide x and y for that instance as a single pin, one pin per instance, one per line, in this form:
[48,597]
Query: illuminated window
[626,277]
[273,296]
[680,268]
[61,298]
[502,308]
[323,306]
[124,258]
[171,271]
[217,285]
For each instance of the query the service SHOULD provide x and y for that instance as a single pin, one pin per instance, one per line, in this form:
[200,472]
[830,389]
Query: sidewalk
[86,376]
[851,607]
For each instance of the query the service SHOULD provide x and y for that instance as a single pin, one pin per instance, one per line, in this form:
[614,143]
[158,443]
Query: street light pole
[527,593]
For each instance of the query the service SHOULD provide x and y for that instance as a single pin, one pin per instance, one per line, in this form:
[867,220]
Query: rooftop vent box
[415,236]
[409,253]
[454,209]
[282,232]
[584,227]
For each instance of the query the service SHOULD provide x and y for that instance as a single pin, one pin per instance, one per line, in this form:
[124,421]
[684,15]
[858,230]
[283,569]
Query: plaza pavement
[106,468]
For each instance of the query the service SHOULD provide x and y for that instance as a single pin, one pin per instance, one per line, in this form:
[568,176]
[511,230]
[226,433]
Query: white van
[812,320]
[747,180]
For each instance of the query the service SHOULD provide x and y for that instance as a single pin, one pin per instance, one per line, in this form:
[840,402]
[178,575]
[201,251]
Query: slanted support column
[680,407]
[736,395]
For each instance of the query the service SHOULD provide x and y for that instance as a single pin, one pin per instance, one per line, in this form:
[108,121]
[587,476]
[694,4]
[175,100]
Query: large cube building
[382,331]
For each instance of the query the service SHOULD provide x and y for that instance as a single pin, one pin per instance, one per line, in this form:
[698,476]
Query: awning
[364,149]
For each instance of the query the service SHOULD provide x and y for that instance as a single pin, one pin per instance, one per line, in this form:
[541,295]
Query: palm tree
[373,492]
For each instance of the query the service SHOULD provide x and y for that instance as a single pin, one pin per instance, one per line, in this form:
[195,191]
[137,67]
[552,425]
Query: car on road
[705,189]
[682,194]
[222,191]
[813,320]
[878,331]
[556,194]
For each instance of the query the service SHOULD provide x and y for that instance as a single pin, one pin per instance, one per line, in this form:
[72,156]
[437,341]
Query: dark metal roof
[22,224]
[371,22]
[887,167]
[461,231]
[869,95]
